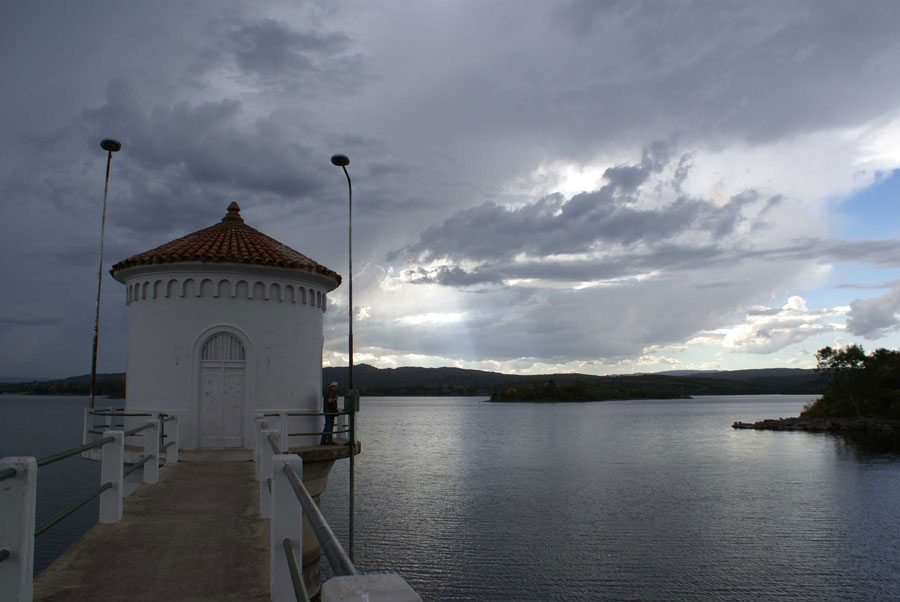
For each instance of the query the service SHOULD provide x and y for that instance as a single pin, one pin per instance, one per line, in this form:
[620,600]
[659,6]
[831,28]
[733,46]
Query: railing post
[85,426]
[172,431]
[111,470]
[151,448]
[257,443]
[265,474]
[17,528]
[377,587]
[283,430]
[286,522]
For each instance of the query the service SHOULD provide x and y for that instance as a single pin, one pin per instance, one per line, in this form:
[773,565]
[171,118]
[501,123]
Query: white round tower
[223,323]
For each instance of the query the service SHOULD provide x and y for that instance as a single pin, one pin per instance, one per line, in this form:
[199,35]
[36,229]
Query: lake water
[633,500]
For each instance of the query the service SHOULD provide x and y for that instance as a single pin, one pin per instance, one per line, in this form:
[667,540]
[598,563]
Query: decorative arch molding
[215,329]
[239,338]
[225,288]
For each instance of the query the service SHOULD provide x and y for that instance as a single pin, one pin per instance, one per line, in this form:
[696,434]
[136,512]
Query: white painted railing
[18,494]
[282,497]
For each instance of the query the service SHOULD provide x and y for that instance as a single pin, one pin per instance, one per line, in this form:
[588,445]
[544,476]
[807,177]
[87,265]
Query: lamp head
[340,160]
[108,144]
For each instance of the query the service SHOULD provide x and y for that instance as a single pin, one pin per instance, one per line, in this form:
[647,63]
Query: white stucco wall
[277,314]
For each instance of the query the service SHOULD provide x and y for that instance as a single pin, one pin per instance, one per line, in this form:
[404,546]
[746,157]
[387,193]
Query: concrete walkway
[194,536]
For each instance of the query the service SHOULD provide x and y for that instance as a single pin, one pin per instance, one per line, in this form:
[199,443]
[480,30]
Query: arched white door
[222,391]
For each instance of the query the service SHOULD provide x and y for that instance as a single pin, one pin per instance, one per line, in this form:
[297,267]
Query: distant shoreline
[821,425]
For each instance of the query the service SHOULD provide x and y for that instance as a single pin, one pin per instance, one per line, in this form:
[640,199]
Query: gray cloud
[875,317]
[687,232]
[442,111]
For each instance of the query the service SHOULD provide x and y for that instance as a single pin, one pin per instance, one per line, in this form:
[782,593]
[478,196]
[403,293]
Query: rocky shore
[850,424]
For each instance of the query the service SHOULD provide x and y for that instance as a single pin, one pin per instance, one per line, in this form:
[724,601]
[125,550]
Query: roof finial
[234,213]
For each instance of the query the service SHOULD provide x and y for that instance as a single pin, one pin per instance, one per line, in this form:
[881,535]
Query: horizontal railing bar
[136,465]
[4,554]
[340,413]
[96,432]
[317,413]
[335,431]
[117,414]
[55,519]
[73,452]
[337,557]
[300,592]
[169,419]
[7,473]
[138,429]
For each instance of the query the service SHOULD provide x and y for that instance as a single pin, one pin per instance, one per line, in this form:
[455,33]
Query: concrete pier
[194,536]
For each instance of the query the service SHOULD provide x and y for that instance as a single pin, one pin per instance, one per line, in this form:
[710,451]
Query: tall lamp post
[110,146]
[343,161]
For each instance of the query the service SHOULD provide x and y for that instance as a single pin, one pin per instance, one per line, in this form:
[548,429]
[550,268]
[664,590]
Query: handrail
[334,432]
[7,473]
[136,465]
[138,429]
[338,413]
[61,515]
[123,413]
[337,557]
[309,413]
[73,452]
[299,586]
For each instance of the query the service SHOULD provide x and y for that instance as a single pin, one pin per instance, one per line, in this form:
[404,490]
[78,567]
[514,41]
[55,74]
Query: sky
[597,187]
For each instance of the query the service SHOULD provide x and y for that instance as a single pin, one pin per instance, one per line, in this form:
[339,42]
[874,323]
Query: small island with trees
[863,394]
[597,391]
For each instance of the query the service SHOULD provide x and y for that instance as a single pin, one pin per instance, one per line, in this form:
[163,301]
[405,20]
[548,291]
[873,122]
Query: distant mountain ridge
[458,381]
[415,381]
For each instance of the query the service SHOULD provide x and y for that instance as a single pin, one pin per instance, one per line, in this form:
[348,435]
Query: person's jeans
[329,427]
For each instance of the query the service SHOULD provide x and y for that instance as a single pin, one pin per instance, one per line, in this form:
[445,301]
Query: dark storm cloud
[758,70]
[271,48]
[687,232]
[453,276]
[444,110]
[190,160]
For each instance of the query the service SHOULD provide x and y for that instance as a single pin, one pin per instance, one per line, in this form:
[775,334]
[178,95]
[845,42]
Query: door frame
[195,381]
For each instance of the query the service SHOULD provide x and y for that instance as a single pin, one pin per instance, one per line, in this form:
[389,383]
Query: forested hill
[457,381]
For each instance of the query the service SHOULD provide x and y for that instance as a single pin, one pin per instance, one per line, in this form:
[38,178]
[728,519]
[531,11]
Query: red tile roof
[229,241]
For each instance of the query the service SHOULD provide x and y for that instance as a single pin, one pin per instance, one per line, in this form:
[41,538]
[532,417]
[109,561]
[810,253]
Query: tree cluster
[618,388]
[861,384]
[105,388]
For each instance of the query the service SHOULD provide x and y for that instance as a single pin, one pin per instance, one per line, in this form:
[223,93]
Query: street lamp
[110,146]
[343,161]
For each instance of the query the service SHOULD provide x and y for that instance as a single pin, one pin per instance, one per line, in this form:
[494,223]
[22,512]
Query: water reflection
[650,500]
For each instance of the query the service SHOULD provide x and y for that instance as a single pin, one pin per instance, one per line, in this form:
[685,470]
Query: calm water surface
[636,500]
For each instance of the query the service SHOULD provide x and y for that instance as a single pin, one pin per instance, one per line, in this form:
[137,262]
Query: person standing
[331,409]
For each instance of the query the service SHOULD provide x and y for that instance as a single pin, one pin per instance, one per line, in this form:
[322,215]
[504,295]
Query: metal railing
[286,500]
[338,429]
[18,508]
[337,558]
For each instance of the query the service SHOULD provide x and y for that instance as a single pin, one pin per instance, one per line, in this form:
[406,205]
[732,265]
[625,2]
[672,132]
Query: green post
[351,404]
